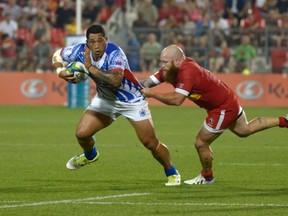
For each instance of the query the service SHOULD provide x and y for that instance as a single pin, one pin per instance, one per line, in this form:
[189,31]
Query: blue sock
[171,171]
[91,155]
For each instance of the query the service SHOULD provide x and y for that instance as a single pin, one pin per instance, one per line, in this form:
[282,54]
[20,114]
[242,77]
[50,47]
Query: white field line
[72,200]
[90,201]
[191,204]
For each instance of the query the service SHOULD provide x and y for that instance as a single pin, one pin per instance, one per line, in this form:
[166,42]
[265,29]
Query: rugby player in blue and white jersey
[118,93]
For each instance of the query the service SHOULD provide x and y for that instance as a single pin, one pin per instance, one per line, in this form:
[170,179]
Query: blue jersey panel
[73,53]
[112,59]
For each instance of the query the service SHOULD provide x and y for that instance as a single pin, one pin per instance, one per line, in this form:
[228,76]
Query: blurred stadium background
[209,31]
[242,37]
[244,44]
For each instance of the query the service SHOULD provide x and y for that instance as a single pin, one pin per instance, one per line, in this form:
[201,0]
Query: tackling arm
[170,98]
[147,82]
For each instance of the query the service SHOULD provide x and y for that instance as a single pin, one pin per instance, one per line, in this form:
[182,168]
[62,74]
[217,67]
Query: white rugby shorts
[137,111]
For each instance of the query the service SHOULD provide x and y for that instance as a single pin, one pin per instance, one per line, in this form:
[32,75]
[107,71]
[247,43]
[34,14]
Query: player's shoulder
[80,47]
[75,48]
[158,75]
[73,53]
[112,48]
[190,63]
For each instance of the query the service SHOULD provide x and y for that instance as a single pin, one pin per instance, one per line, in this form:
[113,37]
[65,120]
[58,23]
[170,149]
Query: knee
[198,145]
[150,143]
[201,145]
[81,135]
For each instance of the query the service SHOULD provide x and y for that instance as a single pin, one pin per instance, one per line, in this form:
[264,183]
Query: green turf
[36,142]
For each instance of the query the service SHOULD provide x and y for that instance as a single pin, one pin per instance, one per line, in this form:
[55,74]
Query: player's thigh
[240,126]
[92,122]
[145,131]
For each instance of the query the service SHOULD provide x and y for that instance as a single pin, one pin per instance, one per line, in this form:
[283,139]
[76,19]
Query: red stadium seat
[105,14]
[25,35]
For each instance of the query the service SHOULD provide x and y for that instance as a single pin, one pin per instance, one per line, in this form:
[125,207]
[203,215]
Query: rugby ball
[79,70]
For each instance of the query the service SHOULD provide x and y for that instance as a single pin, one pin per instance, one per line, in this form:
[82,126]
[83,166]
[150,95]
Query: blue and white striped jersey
[113,58]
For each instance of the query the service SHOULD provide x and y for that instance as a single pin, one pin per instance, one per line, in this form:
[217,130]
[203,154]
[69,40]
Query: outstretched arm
[170,98]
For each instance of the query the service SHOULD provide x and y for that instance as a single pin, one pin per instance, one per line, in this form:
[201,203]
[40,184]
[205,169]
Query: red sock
[283,122]
[208,176]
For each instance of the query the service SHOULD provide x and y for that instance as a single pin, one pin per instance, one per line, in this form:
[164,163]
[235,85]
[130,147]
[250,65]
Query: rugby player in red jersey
[194,82]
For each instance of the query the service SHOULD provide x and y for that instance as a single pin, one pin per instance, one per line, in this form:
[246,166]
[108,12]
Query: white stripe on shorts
[221,119]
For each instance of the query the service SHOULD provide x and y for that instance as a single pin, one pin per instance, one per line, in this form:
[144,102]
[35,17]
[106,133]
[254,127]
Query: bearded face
[170,75]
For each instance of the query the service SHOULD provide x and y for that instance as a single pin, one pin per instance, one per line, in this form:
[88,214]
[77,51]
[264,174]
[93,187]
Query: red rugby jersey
[200,85]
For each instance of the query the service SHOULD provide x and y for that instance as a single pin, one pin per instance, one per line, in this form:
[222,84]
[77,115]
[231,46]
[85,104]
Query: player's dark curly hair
[95,29]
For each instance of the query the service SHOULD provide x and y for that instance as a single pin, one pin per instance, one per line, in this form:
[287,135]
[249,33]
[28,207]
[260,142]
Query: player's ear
[176,62]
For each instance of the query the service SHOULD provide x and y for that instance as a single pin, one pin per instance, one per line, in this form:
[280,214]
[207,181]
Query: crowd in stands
[225,36]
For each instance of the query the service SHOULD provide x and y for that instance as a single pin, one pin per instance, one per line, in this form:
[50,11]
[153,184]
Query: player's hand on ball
[68,77]
[147,92]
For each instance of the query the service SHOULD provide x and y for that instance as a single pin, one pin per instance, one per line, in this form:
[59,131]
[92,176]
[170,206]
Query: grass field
[36,142]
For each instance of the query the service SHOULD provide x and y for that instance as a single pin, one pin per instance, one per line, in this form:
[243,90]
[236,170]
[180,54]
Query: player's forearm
[147,82]
[58,62]
[113,78]
[167,98]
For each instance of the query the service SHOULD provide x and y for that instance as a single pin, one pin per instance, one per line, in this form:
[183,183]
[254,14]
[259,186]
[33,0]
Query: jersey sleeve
[157,78]
[186,79]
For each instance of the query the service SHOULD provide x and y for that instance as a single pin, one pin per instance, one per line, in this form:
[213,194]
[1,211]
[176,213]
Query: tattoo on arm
[111,77]
[147,82]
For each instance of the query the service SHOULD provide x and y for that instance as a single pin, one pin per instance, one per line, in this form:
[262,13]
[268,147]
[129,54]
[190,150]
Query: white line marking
[191,204]
[90,201]
[72,200]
